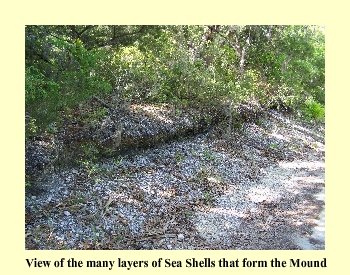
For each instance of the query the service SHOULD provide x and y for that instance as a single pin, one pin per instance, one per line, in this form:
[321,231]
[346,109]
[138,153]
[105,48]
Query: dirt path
[280,211]
[262,187]
[284,207]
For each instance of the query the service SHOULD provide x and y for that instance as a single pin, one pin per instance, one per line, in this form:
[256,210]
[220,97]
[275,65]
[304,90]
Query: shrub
[314,110]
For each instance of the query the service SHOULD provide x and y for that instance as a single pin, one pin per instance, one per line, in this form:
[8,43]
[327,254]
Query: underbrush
[313,111]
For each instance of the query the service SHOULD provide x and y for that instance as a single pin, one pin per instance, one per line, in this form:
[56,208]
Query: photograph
[175,137]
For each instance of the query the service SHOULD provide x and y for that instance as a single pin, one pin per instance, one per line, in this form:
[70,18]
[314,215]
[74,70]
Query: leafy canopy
[187,65]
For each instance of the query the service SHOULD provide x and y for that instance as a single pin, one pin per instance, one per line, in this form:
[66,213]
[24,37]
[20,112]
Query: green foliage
[314,110]
[208,198]
[237,125]
[209,156]
[182,65]
[91,167]
[40,97]
[31,127]
[78,199]
[179,157]
[291,61]
[51,128]
[62,78]
[119,160]
[90,151]
[95,115]
[273,145]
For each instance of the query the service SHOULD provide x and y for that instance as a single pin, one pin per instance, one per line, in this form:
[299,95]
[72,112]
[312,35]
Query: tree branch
[127,34]
[42,57]
[104,104]
[77,33]
[114,40]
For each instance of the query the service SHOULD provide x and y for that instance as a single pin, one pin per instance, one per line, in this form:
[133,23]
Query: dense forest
[210,69]
[281,66]
[174,137]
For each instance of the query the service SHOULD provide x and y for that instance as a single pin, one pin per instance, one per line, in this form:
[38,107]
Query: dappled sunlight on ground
[311,165]
[262,193]
[286,203]
[226,212]
[279,136]
[159,112]
[260,188]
